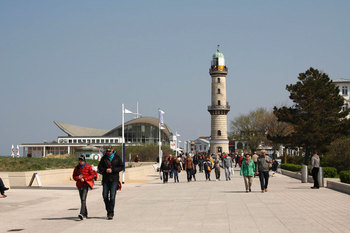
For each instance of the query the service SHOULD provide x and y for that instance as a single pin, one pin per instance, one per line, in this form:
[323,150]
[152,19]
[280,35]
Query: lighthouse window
[219,132]
[219,91]
[219,102]
[218,80]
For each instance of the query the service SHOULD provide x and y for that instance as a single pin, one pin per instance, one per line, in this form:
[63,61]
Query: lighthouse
[219,106]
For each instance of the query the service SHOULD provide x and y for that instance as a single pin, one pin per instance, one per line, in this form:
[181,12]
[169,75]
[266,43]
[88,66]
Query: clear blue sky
[78,61]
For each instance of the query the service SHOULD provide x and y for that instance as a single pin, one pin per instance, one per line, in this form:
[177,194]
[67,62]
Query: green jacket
[248,170]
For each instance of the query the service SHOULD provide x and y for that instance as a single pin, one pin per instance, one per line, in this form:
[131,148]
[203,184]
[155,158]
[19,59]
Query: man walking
[262,169]
[110,166]
[315,168]
[228,166]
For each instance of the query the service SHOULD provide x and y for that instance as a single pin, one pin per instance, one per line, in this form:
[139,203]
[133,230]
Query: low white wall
[342,187]
[48,177]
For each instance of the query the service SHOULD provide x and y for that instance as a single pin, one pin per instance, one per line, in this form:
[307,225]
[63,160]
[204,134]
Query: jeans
[83,191]
[171,173]
[165,177]
[176,175]
[228,173]
[315,171]
[207,175]
[264,179]
[248,180]
[109,193]
[189,174]
[217,173]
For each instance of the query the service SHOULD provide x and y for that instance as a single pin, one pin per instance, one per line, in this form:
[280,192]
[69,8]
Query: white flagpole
[123,145]
[18,155]
[160,141]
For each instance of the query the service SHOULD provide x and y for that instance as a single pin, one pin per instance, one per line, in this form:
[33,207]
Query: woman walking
[2,189]
[217,168]
[176,169]
[165,168]
[207,168]
[84,177]
[248,170]
[189,168]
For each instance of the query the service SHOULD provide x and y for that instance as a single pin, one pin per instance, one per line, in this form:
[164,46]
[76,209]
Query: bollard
[320,177]
[304,174]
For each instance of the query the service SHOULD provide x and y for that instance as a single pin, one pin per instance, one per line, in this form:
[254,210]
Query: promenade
[201,206]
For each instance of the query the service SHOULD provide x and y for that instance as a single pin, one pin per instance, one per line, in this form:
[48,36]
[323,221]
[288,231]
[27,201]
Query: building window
[218,80]
[219,92]
[344,90]
[345,107]
[219,102]
[219,149]
[200,147]
[205,147]
[219,132]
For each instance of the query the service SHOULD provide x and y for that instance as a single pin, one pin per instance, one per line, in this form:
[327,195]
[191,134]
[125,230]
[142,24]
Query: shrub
[329,172]
[339,154]
[345,176]
[291,167]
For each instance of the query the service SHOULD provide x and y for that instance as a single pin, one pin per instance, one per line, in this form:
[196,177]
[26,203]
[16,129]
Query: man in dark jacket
[110,166]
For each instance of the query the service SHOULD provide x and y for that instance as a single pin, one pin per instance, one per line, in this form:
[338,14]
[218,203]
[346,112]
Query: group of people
[251,166]
[109,166]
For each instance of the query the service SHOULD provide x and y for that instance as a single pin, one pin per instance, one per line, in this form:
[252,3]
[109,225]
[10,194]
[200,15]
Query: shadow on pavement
[239,192]
[45,188]
[63,218]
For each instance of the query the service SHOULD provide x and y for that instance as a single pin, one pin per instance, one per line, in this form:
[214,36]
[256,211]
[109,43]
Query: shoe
[262,191]
[314,188]
[250,189]
[80,216]
[2,196]
[5,189]
[109,217]
[86,217]
[265,190]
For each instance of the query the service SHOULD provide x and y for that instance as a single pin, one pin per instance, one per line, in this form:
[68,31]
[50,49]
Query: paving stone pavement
[201,206]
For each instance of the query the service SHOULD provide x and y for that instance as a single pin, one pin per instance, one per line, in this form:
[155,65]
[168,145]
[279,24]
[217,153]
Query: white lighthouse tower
[219,106]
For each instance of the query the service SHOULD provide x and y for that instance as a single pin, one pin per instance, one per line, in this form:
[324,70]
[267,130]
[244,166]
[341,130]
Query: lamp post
[177,135]
[124,111]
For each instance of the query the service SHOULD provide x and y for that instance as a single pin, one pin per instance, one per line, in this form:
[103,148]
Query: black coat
[116,164]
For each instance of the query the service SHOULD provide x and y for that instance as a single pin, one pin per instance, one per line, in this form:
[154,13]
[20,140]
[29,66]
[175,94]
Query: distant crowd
[251,166]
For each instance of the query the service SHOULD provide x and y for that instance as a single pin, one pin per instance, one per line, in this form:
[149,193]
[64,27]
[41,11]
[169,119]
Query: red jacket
[87,173]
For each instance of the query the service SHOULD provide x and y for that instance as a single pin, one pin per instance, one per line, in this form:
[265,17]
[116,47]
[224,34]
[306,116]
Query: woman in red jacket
[84,176]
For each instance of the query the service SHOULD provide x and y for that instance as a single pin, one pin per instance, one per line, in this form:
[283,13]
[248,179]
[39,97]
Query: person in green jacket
[248,170]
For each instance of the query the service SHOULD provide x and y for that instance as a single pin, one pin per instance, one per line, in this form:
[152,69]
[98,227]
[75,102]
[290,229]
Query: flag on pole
[127,111]
[13,151]
[161,118]
[17,151]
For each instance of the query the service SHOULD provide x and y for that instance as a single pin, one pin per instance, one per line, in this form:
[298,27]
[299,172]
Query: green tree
[316,115]
[252,127]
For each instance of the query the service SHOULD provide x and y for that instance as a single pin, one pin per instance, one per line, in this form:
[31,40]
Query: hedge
[291,167]
[329,172]
[345,176]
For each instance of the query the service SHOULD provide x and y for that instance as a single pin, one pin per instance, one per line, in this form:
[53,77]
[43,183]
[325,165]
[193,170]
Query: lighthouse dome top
[218,54]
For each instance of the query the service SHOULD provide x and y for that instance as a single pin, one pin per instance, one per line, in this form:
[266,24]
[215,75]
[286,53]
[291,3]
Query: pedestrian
[207,168]
[110,166]
[236,159]
[84,177]
[165,167]
[2,189]
[171,165]
[137,159]
[248,170]
[227,163]
[240,160]
[315,168]
[194,171]
[189,168]
[217,168]
[262,169]
[274,167]
[176,169]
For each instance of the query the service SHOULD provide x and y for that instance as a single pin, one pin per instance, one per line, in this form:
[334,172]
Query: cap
[81,157]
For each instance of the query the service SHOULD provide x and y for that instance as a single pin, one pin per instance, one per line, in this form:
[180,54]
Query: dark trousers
[176,175]
[109,193]
[217,173]
[2,187]
[189,174]
[314,172]
[165,177]
[207,175]
[264,180]
[83,191]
